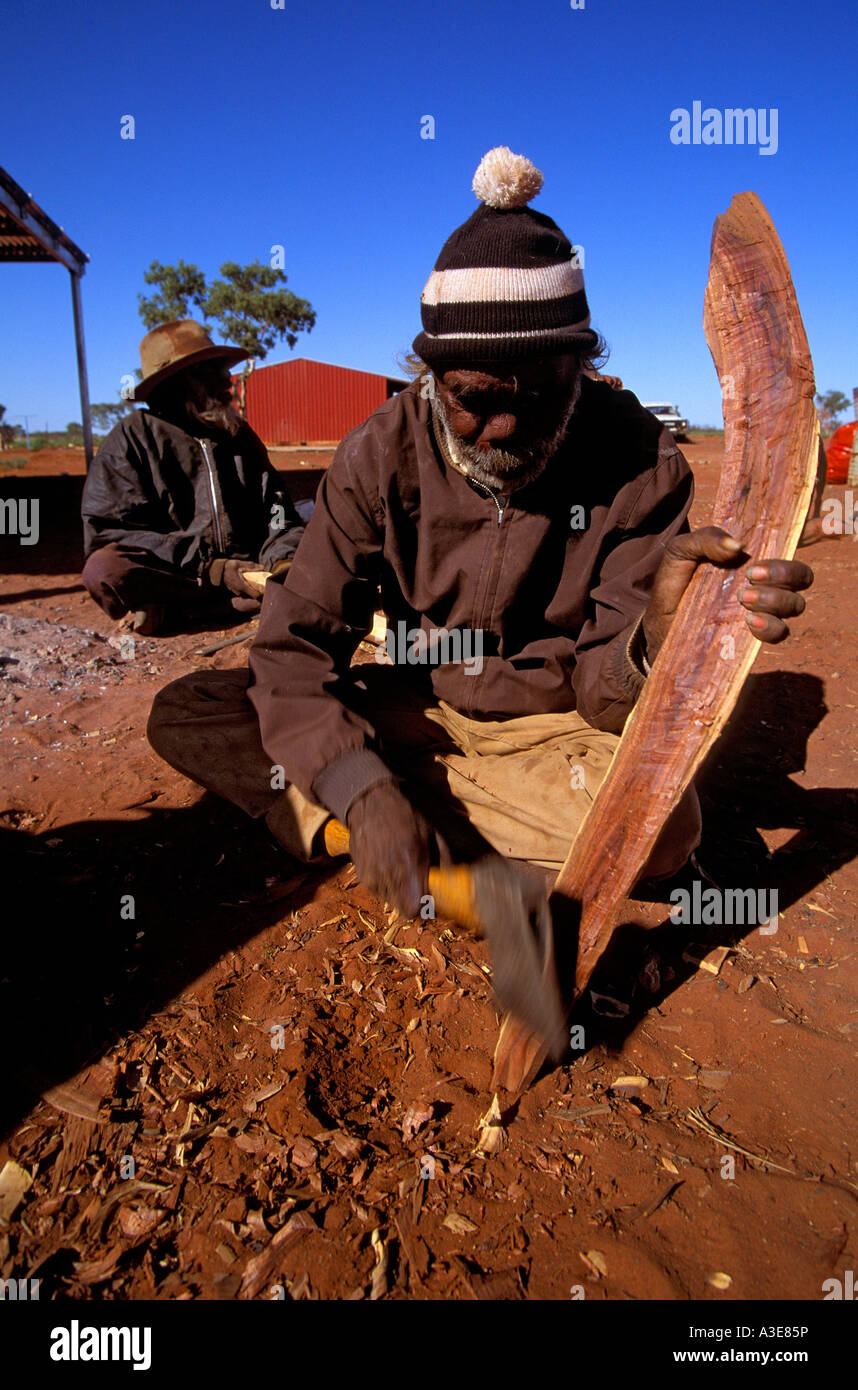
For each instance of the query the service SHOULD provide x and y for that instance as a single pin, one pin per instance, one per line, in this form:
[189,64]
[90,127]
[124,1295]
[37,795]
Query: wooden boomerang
[772,457]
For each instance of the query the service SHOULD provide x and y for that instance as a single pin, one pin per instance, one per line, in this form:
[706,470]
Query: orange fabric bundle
[839,452]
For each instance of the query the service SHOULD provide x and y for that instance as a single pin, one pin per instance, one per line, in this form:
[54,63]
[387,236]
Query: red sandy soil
[177,1152]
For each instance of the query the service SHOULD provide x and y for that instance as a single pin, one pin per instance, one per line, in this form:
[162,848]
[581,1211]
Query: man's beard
[210,413]
[499,468]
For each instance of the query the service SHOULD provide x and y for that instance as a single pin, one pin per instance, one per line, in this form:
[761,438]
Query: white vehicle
[668,415]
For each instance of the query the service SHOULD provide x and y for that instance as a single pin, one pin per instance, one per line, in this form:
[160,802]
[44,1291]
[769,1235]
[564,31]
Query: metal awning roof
[28,234]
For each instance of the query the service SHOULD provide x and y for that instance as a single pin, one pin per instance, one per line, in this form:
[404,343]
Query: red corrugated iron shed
[306,402]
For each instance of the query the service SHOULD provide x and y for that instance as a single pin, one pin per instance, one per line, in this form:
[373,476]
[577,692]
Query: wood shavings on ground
[254,974]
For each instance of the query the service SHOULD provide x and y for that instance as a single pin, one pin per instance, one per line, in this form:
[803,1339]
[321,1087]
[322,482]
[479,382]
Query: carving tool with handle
[507,905]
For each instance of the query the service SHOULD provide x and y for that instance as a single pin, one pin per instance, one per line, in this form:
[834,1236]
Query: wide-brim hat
[171,347]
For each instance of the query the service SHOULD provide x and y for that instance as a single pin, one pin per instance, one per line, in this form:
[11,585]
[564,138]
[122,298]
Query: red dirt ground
[180,1152]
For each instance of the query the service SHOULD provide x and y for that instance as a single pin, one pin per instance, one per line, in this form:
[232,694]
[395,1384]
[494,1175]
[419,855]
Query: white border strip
[504,284]
[581,327]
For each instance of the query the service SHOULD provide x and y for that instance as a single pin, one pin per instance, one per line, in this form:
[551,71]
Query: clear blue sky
[301,126]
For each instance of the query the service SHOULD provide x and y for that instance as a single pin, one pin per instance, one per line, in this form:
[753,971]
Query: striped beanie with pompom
[507,284]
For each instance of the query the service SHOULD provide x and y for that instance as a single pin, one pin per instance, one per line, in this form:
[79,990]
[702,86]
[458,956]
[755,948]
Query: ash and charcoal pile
[34,652]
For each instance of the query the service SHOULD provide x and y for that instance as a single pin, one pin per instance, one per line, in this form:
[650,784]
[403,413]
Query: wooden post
[86,419]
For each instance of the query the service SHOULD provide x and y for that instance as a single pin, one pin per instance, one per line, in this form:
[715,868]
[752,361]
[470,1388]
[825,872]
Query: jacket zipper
[488,590]
[213,495]
[486,488]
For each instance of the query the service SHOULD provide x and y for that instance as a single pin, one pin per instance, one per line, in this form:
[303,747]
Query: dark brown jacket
[187,500]
[557,604]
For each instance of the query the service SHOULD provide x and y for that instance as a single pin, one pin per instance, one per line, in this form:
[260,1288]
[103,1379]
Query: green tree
[252,311]
[74,432]
[830,405]
[105,415]
[249,305]
[178,287]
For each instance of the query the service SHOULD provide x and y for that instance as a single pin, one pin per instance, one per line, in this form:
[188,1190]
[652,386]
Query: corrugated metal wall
[306,402]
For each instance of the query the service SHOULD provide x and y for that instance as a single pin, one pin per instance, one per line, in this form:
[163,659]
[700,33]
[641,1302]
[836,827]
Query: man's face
[505,422]
[208,398]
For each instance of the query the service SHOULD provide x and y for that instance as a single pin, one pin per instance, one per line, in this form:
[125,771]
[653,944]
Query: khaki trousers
[521,786]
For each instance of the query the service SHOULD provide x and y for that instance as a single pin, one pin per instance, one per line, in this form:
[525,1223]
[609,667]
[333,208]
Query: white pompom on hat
[506,180]
[507,284]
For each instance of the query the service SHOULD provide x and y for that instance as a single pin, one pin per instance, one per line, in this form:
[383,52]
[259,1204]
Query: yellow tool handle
[452,888]
[336,838]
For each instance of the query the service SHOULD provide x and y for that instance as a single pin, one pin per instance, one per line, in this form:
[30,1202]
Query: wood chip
[252,1143]
[264,1093]
[256,1224]
[15,1183]
[417,1116]
[595,1262]
[493,1137]
[629,1086]
[123,1193]
[714,1080]
[440,962]
[459,1224]
[139,1221]
[346,1146]
[745,983]
[96,1271]
[300,1288]
[407,955]
[79,1104]
[414,1247]
[580,1112]
[710,961]
[261,1268]
[304,1153]
[379,1274]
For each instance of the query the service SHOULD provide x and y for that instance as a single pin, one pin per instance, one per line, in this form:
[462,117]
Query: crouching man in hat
[526,529]
[181,499]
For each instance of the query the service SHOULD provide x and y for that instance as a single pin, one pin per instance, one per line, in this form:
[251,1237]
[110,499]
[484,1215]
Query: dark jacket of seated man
[182,498]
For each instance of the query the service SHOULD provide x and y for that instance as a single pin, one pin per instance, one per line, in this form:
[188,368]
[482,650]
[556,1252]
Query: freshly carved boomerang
[772,461]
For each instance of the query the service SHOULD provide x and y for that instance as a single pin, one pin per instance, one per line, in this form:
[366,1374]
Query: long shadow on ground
[76,975]
[746,785]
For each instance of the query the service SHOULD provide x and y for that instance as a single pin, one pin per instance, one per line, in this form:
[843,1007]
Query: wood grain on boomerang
[754,330]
